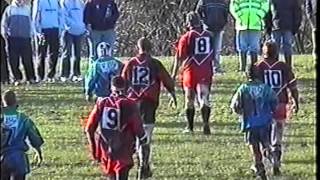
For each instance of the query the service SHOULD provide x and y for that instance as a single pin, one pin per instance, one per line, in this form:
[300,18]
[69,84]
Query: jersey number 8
[110,118]
[202,45]
[273,78]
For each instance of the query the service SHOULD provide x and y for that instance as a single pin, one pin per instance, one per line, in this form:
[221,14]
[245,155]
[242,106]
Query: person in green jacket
[249,22]
[16,128]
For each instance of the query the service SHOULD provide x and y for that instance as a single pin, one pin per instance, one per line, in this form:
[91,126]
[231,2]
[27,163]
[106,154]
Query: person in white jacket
[72,37]
[48,19]
[17,29]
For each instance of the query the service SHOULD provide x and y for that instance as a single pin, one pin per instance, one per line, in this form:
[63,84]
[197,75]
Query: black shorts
[258,135]
[148,111]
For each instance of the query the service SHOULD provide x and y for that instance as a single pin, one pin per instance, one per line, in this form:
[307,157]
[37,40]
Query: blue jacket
[101,14]
[47,14]
[73,14]
[17,22]
[99,75]
[254,102]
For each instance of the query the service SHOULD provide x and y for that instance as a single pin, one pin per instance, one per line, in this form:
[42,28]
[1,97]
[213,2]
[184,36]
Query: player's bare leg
[145,154]
[203,92]
[189,109]
[276,142]
[258,164]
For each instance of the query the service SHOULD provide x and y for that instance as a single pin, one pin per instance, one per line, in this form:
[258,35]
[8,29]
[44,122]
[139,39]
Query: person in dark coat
[285,20]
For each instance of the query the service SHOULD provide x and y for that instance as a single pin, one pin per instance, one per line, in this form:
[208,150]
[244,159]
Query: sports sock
[190,117]
[205,113]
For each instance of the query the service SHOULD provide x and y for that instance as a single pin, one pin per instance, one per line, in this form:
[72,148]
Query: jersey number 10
[273,78]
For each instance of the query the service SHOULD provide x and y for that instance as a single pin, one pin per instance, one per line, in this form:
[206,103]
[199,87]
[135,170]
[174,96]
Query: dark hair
[144,44]
[270,49]
[193,19]
[9,98]
[118,82]
[253,73]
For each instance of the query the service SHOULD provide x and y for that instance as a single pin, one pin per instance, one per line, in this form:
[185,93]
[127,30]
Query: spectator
[100,17]
[285,22]
[249,23]
[214,15]
[311,10]
[17,28]
[4,63]
[48,18]
[73,35]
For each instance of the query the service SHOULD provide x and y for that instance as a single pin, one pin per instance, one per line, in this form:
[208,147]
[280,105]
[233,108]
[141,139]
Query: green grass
[57,108]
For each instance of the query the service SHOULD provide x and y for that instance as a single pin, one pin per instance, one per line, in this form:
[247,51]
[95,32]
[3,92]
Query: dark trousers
[4,62]
[50,39]
[68,41]
[123,175]
[20,48]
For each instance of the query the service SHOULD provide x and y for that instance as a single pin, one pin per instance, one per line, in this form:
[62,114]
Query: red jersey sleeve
[182,47]
[125,74]
[135,122]
[165,77]
[94,117]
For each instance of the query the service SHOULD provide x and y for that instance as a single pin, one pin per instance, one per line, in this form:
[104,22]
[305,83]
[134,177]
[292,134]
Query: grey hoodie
[17,21]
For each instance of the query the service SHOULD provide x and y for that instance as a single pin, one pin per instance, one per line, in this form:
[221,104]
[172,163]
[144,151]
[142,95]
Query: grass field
[57,108]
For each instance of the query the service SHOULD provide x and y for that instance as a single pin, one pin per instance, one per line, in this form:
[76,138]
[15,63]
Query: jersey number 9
[110,119]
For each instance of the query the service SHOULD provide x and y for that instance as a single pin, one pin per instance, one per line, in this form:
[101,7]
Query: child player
[119,123]
[16,128]
[101,72]
[279,76]
[255,102]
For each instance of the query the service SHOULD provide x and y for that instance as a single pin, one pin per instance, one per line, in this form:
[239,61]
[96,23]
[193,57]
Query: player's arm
[91,127]
[125,73]
[182,54]
[236,101]
[36,140]
[167,81]
[292,85]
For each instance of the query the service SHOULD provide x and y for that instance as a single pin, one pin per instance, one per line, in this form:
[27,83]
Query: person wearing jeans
[214,15]
[249,20]
[311,10]
[48,18]
[285,21]
[100,17]
[17,28]
[72,37]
